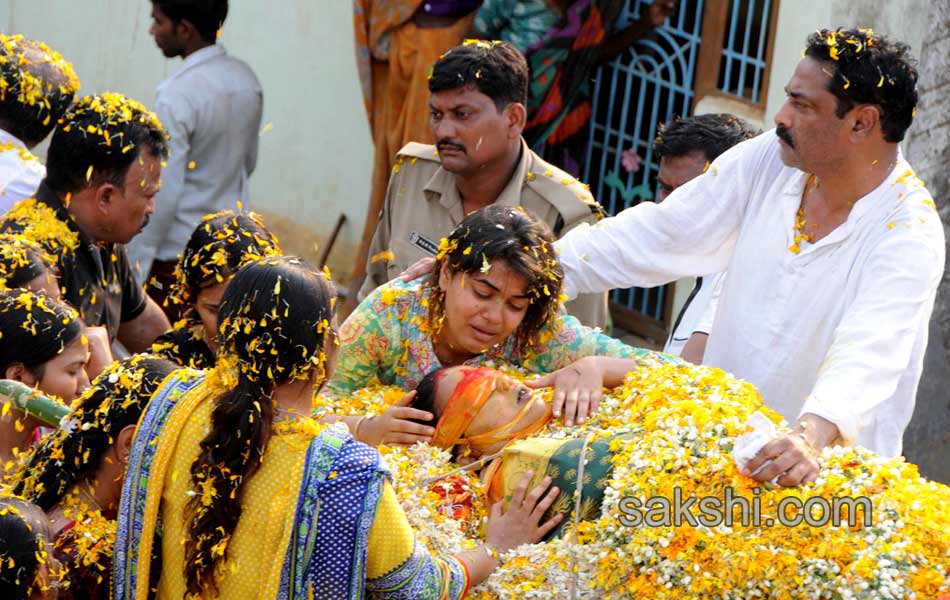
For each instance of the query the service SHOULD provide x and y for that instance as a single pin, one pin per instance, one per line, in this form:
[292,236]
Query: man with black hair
[834,250]
[477,104]
[686,147]
[36,87]
[103,169]
[212,109]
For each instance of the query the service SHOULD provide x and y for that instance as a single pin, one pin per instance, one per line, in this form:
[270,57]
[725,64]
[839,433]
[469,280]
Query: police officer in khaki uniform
[478,91]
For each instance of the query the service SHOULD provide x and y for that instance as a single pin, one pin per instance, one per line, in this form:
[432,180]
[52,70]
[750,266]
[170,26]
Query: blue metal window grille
[742,67]
[640,89]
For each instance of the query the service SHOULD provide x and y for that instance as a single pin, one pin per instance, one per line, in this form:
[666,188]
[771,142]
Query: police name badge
[423,243]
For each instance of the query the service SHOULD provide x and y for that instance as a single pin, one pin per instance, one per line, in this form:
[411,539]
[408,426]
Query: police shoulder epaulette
[572,198]
[413,152]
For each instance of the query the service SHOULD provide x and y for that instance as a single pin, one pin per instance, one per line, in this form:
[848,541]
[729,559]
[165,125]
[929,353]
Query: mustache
[448,144]
[784,135]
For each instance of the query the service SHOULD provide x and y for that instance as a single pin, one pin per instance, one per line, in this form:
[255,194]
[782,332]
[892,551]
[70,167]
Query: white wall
[314,163]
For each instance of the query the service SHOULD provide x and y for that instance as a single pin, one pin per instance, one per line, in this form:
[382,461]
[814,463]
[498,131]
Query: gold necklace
[85,491]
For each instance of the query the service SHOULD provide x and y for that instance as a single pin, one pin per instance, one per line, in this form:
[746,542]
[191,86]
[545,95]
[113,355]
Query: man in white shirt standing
[211,108]
[37,87]
[686,147]
[834,250]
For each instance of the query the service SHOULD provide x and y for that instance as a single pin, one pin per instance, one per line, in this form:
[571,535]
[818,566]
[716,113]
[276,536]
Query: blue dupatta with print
[132,504]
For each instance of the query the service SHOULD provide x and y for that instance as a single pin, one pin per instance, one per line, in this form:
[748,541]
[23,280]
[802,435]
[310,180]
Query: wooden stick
[325,253]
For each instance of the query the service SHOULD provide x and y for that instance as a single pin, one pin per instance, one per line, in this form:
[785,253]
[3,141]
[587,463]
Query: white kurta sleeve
[693,232]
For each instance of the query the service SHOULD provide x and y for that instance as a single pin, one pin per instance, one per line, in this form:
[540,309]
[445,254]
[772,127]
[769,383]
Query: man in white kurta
[212,109]
[834,329]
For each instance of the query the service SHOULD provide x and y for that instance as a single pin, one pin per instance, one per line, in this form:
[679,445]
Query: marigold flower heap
[685,420]
[429,506]
[690,418]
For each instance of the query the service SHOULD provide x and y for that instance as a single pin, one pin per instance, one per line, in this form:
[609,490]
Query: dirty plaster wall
[927,440]
[316,156]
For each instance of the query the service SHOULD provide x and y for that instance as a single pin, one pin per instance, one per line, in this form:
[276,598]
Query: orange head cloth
[471,393]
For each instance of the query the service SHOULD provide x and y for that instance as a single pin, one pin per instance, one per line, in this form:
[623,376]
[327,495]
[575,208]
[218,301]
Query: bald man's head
[38,87]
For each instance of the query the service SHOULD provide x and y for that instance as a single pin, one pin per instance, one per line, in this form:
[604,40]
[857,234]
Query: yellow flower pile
[17,58]
[38,223]
[430,512]
[370,401]
[15,256]
[685,420]
[690,417]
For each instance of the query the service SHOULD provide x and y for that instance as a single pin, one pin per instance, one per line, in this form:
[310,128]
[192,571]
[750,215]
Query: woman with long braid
[257,500]
[75,474]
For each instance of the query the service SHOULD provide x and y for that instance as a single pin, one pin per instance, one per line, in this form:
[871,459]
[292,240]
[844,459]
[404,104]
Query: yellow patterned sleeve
[390,538]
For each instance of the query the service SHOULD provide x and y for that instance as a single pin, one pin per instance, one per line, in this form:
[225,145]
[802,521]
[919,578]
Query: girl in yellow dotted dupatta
[256,499]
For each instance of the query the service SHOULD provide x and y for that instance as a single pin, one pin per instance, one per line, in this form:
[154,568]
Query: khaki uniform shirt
[423,206]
